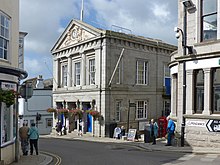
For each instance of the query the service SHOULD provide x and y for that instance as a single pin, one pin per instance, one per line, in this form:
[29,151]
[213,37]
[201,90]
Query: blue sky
[45,20]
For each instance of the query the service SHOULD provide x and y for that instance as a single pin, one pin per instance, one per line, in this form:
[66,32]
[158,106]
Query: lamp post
[186,5]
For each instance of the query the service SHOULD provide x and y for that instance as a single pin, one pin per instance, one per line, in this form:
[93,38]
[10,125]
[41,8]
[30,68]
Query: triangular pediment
[76,32]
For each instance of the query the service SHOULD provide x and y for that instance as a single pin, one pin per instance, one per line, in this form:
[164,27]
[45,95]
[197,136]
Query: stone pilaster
[174,95]
[190,92]
[83,70]
[56,69]
[69,72]
[207,91]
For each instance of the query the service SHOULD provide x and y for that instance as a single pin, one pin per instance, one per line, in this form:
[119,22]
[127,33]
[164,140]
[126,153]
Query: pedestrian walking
[23,135]
[59,128]
[122,131]
[33,136]
[154,130]
[170,130]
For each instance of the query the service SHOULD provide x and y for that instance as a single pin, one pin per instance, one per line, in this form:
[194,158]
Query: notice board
[131,134]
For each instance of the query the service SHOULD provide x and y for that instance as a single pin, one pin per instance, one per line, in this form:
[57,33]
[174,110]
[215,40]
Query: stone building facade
[202,73]
[10,74]
[105,70]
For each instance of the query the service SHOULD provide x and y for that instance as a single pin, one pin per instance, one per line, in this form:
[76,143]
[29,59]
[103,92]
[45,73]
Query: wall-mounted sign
[213,125]
[195,123]
[8,86]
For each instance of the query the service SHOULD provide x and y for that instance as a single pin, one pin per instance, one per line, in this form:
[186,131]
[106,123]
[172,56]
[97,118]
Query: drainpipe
[16,127]
[100,87]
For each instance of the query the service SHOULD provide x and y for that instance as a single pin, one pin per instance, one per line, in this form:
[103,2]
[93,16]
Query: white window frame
[143,78]
[92,71]
[4,36]
[77,73]
[118,104]
[119,73]
[64,75]
[166,73]
[141,109]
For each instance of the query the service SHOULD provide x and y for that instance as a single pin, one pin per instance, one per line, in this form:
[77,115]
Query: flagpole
[81,16]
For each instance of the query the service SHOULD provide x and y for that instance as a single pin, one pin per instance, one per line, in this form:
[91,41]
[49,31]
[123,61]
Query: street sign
[213,125]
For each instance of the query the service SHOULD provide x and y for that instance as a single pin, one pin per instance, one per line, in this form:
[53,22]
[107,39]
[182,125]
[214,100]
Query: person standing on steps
[33,136]
[23,134]
[154,130]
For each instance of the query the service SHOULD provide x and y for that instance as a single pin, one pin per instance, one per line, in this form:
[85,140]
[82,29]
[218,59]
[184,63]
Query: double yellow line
[58,159]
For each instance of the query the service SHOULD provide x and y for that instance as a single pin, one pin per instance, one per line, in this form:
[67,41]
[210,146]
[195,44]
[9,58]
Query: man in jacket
[170,130]
[23,134]
[33,136]
[154,130]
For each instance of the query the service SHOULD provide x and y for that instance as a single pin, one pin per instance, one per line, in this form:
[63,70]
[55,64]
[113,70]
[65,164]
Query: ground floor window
[141,109]
[49,122]
[8,125]
[117,110]
[216,90]
[199,91]
[166,107]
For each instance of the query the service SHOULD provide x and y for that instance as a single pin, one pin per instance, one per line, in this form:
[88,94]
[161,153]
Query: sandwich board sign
[131,134]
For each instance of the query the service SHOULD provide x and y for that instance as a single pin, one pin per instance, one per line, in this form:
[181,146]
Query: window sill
[205,43]
[201,116]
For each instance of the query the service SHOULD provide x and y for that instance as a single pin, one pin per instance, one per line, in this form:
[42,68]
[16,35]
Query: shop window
[199,91]
[216,90]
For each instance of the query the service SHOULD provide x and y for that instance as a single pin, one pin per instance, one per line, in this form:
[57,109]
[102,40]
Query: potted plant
[52,110]
[8,97]
[76,112]
[94,114]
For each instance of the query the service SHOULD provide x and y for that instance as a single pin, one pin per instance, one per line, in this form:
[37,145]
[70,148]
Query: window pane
[2,20]
[1,52]
[216,90]
[77,73]
[209,6]
[1,43]
[210,27]
[117,113]
[199,91]
[64,74]
[2,31]
[92,71]
[142,72]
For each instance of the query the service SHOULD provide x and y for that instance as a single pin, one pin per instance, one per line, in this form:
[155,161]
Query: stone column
[69,72]
[207,91]
[83,70]
[174,95]
[190,92]
[56,72]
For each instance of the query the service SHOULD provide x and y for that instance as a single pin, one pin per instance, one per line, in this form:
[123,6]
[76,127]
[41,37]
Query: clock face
[74,33]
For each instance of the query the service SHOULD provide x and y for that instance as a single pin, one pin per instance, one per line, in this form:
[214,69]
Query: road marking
[187,157]
[58,162]
[209,158]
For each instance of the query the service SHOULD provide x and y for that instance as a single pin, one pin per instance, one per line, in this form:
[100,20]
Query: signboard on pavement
[213,125]
[131,134]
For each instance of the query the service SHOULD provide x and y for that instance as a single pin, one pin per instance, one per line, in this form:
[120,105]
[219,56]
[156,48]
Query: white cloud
[45,20]
[161,11]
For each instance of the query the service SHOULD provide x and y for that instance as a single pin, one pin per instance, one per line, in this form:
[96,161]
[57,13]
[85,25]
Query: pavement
[46,158]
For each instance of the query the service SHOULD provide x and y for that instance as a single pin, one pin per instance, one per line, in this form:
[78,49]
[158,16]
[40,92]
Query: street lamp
[187,4]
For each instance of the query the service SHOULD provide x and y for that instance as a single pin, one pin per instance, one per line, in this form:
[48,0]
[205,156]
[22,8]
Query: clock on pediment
[74,33]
